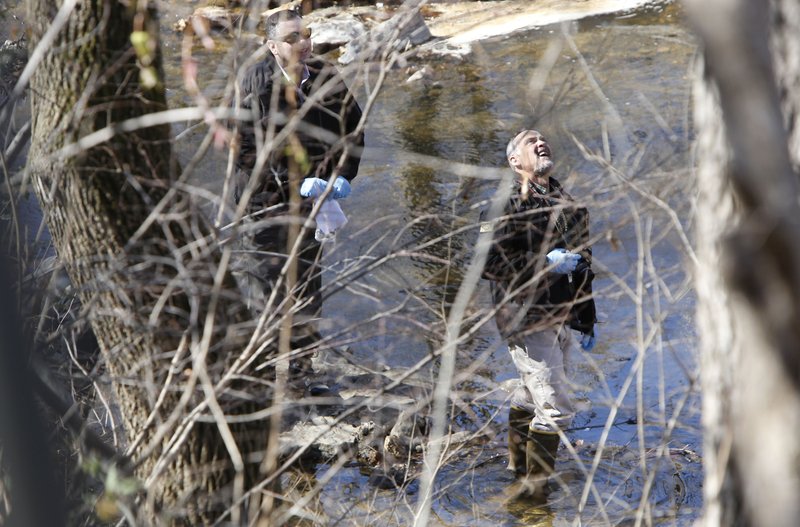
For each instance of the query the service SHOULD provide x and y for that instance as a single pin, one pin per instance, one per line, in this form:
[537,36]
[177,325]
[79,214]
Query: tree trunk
[748,278]
[166,334]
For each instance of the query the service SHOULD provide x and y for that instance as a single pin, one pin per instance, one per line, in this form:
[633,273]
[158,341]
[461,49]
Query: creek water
[612,94]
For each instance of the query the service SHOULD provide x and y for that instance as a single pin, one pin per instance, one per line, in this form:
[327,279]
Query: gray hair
[512,147]
[513,144]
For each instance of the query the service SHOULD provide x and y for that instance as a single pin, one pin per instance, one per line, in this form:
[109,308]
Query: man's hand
[313,187]
[563,260]
[341,188]
[587,341]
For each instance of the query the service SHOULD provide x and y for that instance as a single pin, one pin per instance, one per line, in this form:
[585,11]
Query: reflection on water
[612,95]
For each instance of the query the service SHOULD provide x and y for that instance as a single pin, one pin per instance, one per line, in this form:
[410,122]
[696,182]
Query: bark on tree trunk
[150,297]
[719,350]
[748,279]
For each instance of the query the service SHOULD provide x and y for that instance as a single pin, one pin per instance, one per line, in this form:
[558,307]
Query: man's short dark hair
[276,18]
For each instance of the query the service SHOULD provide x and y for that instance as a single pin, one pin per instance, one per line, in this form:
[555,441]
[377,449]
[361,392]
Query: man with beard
[539,265]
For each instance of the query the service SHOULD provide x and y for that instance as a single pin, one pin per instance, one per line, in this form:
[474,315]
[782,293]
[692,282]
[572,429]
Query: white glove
[563,260]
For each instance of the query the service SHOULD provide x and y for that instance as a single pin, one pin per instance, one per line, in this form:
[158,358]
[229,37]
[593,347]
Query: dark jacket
[326,125]
[523,235]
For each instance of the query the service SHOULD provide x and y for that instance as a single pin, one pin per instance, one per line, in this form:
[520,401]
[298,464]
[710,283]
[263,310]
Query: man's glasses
[295,36]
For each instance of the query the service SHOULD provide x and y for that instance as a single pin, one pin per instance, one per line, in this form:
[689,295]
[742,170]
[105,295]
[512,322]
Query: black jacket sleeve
[353,116]
[255,89]
[335,113]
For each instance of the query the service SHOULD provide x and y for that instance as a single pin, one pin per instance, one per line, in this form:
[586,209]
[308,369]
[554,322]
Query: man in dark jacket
[539,265]
[303,135]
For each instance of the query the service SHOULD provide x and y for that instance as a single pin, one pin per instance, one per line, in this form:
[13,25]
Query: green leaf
[118,484]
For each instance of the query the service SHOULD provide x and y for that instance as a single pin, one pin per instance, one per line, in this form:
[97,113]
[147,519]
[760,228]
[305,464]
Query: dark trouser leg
[268,253]
[305,335]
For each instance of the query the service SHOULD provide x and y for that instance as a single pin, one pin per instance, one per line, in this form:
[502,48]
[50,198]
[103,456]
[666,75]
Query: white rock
[403,30]
[334,32]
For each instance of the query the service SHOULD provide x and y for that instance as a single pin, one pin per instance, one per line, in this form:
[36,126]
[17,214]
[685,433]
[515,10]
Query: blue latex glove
[563,260]
[313,187]
[341,188]
[587,341]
